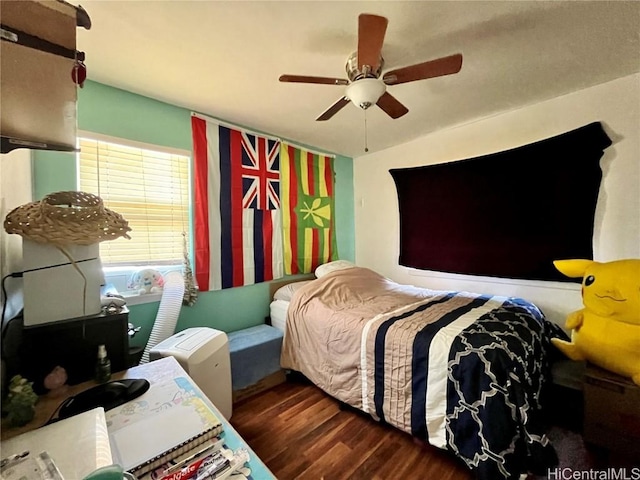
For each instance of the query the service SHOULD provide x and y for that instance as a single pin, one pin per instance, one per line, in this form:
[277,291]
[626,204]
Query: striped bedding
[463,371]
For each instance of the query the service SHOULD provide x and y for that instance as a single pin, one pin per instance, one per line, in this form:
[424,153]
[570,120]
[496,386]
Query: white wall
[15,190]
[617,230]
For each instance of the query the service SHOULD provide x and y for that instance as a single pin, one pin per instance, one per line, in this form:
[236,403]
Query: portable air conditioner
[204,353]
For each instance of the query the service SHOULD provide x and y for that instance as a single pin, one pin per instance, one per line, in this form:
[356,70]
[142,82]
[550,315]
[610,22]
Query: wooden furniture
[260,386]
[564,403]
[154,371]
[612,412]
[568,373]
[255,355]
[39,55]
[73,345]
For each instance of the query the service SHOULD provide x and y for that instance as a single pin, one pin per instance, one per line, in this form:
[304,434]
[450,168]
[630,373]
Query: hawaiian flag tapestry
[237,215]
[308,206]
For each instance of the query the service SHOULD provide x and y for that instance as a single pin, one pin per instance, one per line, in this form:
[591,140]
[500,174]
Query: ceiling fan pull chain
[366,147]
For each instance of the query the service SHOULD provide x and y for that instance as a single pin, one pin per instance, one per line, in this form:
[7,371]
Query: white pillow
[286,291]
[334,266]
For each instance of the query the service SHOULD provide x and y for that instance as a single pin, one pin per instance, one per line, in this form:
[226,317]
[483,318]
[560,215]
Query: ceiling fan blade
[391,106]
[333,109]
[433,68]
[371,31]
[308,79]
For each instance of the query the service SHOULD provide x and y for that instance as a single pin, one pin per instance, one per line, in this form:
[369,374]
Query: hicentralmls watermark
[606,474]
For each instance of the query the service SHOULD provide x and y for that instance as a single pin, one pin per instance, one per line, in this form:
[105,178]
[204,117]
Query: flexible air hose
[168,312]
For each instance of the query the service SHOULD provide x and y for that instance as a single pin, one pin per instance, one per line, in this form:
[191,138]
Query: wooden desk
[155,371]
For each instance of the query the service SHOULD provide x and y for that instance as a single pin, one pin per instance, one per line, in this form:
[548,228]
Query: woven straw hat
[67,218]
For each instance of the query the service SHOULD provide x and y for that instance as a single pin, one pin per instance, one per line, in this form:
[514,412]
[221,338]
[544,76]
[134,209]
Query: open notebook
[171,418]
[77,445]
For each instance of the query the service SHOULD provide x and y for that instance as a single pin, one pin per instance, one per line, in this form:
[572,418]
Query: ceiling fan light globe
[365,92]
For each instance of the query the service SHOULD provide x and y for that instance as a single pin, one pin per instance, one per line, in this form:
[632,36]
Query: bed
[462,371]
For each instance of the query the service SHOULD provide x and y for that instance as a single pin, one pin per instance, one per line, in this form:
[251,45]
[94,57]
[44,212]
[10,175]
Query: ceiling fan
[366,86]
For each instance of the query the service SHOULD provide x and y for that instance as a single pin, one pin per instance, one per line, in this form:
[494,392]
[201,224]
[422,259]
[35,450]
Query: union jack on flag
[260,172]
[237,217]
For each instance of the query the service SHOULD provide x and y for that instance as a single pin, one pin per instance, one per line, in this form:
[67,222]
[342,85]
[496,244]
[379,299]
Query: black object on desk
[107,395]
[73,344]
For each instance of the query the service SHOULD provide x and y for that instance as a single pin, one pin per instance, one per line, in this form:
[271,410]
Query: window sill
[142,299]
[117,280]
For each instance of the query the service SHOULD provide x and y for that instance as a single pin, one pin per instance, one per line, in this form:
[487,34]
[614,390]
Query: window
[149,187]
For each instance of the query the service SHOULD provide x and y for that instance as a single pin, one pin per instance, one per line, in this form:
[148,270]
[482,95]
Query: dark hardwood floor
[299,432]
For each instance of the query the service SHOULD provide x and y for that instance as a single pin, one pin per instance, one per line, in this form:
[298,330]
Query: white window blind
[149,188]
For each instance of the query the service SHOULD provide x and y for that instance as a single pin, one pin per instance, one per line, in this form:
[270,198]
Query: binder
[171,418]
[77,445]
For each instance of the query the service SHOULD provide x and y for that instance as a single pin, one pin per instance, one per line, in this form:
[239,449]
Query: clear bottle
[103,365]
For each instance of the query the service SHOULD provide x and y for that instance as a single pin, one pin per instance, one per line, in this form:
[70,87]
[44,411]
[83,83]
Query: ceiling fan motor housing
[354,73]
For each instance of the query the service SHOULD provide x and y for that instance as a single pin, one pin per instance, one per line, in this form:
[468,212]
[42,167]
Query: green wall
[111,111]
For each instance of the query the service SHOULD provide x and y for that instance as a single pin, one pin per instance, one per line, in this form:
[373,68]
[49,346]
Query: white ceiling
[223,58]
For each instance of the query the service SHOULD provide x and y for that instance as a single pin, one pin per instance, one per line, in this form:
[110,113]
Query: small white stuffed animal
[147,281]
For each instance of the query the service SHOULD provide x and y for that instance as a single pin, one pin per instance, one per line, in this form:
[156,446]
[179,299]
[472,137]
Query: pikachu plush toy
[606,332]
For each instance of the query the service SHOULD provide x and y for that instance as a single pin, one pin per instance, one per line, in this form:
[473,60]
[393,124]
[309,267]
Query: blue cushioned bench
[255,354]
